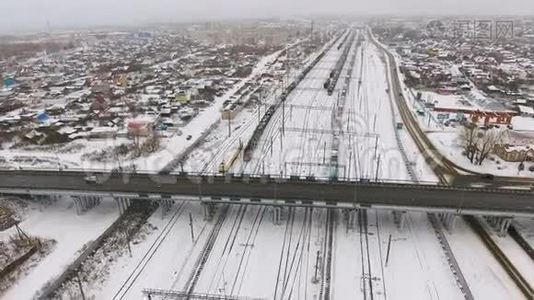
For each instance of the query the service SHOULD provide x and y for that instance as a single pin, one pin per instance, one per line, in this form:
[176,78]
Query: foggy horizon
[36,15]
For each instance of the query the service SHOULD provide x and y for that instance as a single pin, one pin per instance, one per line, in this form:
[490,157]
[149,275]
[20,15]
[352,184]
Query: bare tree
[469,140]
[478,143]
[153,142]
[486,142]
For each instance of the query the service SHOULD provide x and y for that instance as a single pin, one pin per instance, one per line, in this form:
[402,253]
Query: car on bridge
[92,179]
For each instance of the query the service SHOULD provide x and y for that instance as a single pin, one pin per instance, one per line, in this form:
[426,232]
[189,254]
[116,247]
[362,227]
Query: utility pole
[389,248]
[283,118]
[324,153]
[377,168]
[191,226]
[80,285]
[58,163]
[376,145]
[129,247]
[311,32]
[229,126]
[350,163]
[374,124]
[316,267]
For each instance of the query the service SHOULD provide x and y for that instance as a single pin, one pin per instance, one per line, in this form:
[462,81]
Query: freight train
[253,142]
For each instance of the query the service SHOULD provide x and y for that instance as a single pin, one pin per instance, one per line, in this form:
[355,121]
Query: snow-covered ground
[253,257]
[513,251]
[157,262]
[416,267]
[484,275]
[525,227]
[58,221]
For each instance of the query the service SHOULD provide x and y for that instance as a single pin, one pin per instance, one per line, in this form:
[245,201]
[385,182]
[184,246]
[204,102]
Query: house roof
[523,123]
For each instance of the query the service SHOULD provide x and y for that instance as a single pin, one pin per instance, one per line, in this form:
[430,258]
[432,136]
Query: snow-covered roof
[526,109]
[523,123]
[97,130]
[142,119]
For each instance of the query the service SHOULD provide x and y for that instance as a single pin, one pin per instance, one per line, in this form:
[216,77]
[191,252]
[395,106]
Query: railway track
[292,268]
[205,253]
[125,287]
[259,131]
[270,134]
[305,134]
[508,266]
[272,131]
[453,263]
[285,248]
[327,260]
[381,256]
[519,239]
[243,262]
[366,277]
[218,275]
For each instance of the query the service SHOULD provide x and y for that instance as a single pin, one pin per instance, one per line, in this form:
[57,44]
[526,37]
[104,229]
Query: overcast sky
[18,15]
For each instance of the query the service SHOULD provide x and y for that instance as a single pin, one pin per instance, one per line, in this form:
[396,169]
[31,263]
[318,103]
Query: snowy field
[58,221]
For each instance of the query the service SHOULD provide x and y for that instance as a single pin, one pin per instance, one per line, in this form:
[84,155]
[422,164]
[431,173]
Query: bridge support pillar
[277,215]
[399,217]
[504,226]
[84,203]
[448,220]
[493,221]
[209,210]
[500,224]
[45,200]
[166,205]
[350,217]
[123,203]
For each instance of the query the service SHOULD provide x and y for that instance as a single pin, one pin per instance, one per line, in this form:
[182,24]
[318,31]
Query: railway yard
[183,249]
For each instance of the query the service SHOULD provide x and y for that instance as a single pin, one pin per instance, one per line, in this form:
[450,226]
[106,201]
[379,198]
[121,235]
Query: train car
[326,84]
[247,154]
[330,90]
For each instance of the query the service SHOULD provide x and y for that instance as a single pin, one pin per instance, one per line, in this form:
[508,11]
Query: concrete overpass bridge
[269,190]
